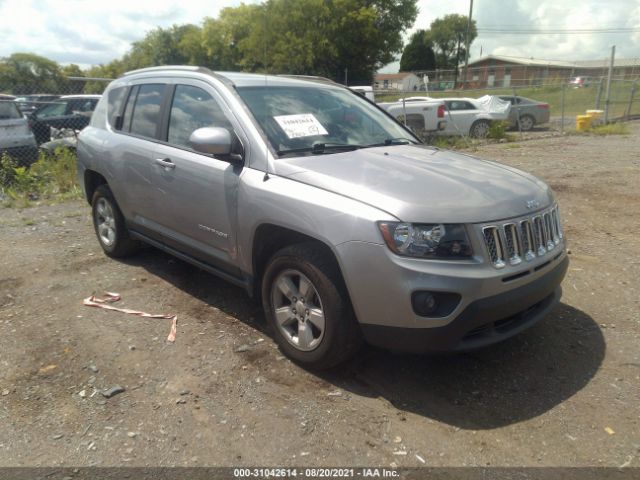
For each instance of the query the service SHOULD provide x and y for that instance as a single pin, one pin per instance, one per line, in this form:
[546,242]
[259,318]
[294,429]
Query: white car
[473,117]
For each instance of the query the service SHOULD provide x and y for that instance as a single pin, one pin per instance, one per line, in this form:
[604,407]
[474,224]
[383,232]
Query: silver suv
[319,203]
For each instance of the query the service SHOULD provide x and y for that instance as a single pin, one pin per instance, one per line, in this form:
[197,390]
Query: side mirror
[211,140]
[215,141]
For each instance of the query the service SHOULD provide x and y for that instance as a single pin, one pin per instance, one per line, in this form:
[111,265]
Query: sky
[91,32]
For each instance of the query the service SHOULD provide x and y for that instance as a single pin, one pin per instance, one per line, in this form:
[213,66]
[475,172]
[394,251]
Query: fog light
[434,304]
[424,303]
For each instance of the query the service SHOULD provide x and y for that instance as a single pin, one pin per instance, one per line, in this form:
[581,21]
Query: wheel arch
[269,238]
[92,180]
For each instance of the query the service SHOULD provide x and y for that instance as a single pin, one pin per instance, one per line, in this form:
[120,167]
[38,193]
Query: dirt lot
[565,393]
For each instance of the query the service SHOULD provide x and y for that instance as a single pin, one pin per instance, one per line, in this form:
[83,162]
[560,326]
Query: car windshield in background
[316,120]
[9,111]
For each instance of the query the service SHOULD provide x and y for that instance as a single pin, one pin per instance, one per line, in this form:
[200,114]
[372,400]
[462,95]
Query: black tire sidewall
[334,305]
[122,244]
[476,124]
[533,122]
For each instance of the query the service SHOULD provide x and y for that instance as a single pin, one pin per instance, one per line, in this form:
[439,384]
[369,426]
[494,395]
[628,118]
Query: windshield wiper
[394,141]
[319,148]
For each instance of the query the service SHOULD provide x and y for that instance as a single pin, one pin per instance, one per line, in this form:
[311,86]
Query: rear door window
[145,116]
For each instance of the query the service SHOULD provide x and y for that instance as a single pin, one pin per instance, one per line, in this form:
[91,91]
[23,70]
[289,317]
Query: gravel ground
[564,393]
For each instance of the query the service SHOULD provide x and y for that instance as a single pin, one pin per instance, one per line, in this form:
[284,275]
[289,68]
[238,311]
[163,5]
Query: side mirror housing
[215,141]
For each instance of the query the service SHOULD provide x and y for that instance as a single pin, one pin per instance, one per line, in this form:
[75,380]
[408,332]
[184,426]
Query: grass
[606,129]
[52,178]
[576,100]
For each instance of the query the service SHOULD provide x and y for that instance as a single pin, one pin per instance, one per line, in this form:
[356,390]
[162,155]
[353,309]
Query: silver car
[16,138]
[324,208]
[527,112]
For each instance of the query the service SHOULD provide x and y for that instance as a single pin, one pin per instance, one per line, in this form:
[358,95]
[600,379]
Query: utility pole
[466,46]
[609,78]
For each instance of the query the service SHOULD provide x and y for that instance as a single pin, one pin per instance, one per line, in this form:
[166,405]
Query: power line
[558,31]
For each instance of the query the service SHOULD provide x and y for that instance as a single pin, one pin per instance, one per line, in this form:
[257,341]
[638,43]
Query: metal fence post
[599,93]
[607,100]
[562,108]
[633,92]
[517,112]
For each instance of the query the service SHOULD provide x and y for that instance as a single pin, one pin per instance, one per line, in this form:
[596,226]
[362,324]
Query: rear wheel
[480,129]
[526,123]
[305,301]
[110,226]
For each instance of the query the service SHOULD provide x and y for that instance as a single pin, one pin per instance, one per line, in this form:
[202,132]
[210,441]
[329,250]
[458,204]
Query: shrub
[52,176]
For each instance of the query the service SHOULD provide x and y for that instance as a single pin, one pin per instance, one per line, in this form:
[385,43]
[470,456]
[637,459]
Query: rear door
[461,114]
[140,126]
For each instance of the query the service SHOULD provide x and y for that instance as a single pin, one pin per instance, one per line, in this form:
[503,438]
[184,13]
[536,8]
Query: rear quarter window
[115,101]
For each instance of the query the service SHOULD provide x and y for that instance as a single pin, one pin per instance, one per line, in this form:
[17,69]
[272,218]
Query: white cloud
[91,31]
[543,14]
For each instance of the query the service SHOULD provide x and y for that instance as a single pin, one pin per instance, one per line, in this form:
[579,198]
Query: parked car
[30,103]
[424,116]
[325,208]
[67,112]
[6,97]
[473,117]
[579,82]
[365,91]
[16,138]
[527,111]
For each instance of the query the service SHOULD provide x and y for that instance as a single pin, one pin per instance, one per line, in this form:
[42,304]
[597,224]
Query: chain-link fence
[550,108]
[41,116]
[38,117]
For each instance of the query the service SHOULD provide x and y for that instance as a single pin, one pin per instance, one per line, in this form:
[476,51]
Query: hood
[422,184]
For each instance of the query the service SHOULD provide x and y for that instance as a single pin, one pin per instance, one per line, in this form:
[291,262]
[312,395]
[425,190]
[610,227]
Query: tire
[527,122]
[319,331]
[110,226]
[479,129]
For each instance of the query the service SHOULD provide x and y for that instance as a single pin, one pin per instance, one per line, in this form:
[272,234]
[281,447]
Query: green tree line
[330,38]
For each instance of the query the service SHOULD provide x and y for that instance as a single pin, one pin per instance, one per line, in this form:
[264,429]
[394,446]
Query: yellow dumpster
[583,122]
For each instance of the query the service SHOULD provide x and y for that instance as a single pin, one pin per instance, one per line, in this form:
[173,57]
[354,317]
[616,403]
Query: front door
[196,193]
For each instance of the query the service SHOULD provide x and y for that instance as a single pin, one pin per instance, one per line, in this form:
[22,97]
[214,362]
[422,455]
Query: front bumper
[482,323]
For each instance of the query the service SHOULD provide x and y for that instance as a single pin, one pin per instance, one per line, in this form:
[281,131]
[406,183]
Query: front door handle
[166,163]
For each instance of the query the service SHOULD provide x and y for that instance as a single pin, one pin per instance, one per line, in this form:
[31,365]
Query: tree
[418,54]
[448,35]
[325,37]
[26,73]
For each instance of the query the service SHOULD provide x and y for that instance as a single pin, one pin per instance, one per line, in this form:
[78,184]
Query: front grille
[512,242]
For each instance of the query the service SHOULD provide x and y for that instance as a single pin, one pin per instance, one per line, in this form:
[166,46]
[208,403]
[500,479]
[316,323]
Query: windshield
[318,119]
[8,111]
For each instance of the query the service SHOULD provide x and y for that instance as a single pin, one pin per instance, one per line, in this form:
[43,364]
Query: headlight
[444,241]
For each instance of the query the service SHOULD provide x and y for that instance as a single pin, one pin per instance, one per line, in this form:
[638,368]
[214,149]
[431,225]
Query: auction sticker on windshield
[300,125]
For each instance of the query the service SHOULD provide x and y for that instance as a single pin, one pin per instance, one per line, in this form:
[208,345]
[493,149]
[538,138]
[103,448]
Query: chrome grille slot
[549,231]
[556,226]
[540,240]
[528,242]
[524,238]
[512,243]
[495,246]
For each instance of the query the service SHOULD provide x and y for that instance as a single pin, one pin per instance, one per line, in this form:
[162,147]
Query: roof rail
[186,68]
[311,78]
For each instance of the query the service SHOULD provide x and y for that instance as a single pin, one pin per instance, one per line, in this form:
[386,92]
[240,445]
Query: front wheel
[480,129]
[305,301]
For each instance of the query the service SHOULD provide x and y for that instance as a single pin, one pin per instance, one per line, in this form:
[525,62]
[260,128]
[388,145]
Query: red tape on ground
[111,297]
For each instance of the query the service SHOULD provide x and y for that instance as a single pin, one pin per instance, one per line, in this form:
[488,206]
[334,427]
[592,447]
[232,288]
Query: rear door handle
[166,163]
